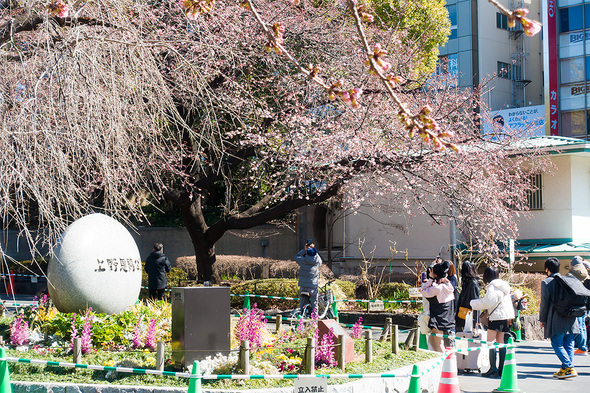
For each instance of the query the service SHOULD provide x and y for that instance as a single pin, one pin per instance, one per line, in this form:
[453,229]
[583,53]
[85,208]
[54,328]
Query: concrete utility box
[200,323]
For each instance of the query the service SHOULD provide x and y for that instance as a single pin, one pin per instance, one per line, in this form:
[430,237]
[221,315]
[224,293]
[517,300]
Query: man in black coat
[156,267]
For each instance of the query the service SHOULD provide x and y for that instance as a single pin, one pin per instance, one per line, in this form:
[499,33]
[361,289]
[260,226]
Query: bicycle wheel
[294,316]
[325,305]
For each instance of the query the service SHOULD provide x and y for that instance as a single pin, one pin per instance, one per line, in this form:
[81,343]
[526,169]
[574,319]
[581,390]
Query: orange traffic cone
[449,383]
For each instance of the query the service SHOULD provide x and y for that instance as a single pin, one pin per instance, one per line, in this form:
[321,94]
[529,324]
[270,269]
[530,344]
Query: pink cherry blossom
[530,27]
[58,8]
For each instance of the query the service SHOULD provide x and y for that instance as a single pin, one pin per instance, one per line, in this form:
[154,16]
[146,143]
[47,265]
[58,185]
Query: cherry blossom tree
[110,105]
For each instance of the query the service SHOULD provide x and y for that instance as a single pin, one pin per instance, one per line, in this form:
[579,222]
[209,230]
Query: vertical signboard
[552,68]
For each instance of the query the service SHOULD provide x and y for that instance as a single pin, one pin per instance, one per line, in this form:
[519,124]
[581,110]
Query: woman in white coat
[498,303]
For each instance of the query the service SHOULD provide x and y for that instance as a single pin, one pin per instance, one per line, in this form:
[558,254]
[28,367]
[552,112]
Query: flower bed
[128,340]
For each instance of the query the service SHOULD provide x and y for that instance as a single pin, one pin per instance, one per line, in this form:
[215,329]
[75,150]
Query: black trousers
[156,293]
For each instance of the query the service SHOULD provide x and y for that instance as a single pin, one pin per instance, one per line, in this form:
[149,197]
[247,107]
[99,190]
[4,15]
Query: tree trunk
[204,247]
[203,242]
[205,256]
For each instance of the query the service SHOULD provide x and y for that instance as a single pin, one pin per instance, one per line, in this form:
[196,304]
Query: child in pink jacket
[439,292]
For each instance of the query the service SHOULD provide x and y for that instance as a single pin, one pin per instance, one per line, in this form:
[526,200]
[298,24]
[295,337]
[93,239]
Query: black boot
[502,357]
[493,371]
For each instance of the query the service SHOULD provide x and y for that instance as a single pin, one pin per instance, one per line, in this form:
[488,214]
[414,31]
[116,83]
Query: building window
[452,9]
[572,70]
[573,124]
[571,19]
[535,196]
[503,70]
[501,21]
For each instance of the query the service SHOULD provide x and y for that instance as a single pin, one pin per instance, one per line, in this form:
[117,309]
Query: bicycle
[325,301]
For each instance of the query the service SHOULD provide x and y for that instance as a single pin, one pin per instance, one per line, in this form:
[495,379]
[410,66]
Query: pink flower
[324,353]
[367,17]
[150,337]
[357,328]
[58,9]
[530,27]
[19,331]
[379,57]
[193,8]
[278,29]
[86,336]
[251,326]
[521,12]
[136,343]
[355,94]
[361,9]
[446,134]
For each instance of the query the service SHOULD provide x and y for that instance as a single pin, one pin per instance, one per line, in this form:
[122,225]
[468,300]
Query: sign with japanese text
[311,385]
[529,118]
[377,305]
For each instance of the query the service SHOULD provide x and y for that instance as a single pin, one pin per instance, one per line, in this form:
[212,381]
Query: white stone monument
[96,264]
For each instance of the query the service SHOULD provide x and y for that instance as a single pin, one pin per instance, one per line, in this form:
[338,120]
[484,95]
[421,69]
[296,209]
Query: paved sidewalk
[536,362]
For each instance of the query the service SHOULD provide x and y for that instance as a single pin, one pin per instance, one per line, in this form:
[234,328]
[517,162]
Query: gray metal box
[200,323]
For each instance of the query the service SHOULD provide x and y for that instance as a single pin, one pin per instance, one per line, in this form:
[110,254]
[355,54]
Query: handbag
[423,320]
[463,312]
[484,317]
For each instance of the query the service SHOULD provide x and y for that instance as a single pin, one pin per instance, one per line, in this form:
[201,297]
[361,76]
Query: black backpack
[571,297]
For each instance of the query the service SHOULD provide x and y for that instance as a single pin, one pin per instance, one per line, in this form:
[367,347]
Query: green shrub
[349,288]
[533,301]
[397,291]
[394,291]
[176,277]
[270,287]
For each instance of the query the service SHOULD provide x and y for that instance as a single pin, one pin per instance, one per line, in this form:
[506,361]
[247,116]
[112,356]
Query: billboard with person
[529,120]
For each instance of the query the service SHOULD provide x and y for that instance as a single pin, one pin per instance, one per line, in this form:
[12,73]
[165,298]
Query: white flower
[35,337]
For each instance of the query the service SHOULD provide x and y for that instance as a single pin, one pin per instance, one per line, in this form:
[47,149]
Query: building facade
[503,63]
[566,39]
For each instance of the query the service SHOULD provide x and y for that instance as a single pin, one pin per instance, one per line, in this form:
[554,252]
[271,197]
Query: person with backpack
[563,299]
[578,270]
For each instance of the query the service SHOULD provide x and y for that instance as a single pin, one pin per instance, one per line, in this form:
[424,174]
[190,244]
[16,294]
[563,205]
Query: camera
[424,276]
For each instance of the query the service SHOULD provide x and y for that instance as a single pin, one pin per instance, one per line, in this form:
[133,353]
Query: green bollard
[194,385]
[334,307]
[247,301]
[5,386]
[519,331]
